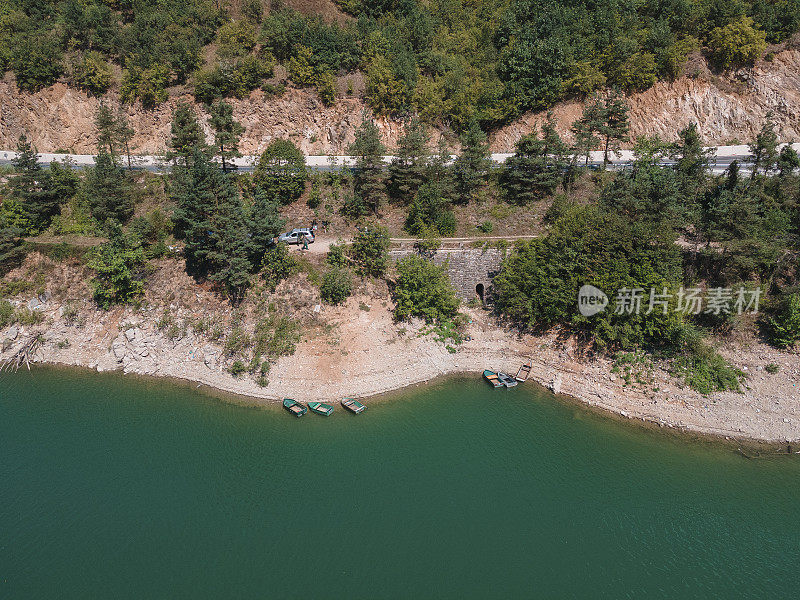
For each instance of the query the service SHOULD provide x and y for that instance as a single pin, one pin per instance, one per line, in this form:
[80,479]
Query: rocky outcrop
[726,108]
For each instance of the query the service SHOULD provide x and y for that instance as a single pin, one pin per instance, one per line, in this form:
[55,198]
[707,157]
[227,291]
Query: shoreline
[357,350]
[736,443]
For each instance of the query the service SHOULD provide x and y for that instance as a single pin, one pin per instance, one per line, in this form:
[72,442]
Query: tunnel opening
[479,291]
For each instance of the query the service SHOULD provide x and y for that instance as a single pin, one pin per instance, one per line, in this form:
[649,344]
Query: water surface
[121,488]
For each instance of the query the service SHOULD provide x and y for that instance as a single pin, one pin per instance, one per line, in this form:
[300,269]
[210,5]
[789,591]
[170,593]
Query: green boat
[294,407]
[321,408]
[353,405]
[491,377]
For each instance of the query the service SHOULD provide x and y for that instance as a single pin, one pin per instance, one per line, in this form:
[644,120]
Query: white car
[295,236]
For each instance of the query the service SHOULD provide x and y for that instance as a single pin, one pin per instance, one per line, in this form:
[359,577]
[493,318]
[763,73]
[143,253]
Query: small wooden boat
[353,405]
[506,380]
[294,407]
[491,377]
[524,372]
[321,408]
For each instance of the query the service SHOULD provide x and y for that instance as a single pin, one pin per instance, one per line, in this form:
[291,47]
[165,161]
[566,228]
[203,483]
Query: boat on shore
[506,380]
[321,408]
[294,407]
[353,405]
[491,377]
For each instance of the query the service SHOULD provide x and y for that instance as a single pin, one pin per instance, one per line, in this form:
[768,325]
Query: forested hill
[450,61]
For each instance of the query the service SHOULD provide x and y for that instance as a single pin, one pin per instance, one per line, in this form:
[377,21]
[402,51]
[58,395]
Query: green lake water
[114,487]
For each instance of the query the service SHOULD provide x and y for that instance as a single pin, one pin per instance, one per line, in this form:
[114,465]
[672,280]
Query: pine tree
[584,129]
[108,190]
[614,124]
[124,133]
[407,169]
[369,180]
[441,170]
[226,132]
[228,254]
[193,190]
[533,172]
[765,148]
[472,165]
[33,187]
[185,135]
[265,223]
[691,158]
[281,171]
[11,249]
[107,134]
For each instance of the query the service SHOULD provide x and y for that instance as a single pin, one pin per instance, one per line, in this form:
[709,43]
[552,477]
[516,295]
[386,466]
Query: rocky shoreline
[369,354]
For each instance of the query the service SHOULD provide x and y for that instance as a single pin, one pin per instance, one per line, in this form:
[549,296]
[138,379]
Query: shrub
[326,88]
[370,250]
[737,44]
[120,270]
[281,171]
[236,38]
[148,85]
[337,285]
[92,74]
[772,368]
[237,369]
[278,264]
[7,316]
[423,290]
[336,255]
[783,327]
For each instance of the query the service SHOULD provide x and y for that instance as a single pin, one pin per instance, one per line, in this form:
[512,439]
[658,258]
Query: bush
[237,369]
[278,264]
[336,256]
[737,44]
[36,61]
[120,270]
[423,290]
[148,85]
[337,285]
[92,74]
[370,250]
[783,328]
[281,171]
[236,38]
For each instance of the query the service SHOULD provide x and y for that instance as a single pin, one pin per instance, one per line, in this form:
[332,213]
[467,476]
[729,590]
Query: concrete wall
[467,268]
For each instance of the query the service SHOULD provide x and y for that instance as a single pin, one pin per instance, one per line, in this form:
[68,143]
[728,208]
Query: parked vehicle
[295,236]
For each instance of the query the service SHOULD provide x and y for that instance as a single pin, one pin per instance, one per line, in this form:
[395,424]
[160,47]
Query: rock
[555,384]
[13,332]
[132,333]
[33,304]
[7,343]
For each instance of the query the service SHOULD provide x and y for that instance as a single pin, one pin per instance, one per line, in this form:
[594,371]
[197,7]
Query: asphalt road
[723,157]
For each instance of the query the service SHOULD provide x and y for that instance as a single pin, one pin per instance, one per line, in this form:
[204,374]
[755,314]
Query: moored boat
[294,407]
[491,377]
[506,380]
[321,408]
[353,405]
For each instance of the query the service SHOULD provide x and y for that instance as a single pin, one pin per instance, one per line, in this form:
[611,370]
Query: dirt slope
[727,109]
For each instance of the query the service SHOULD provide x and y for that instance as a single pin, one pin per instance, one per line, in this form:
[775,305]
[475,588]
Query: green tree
[765,148]
[226,132]
[277,265]
[12,250]
[106,125]
[536,168]
[108,190]
[92,74]
[370,250]
[471,167]
[737,44]
[430,210]
[120,268]
[691,158]
[186,135]
[369,181]
[585,129]
[788,161]
[265,223]
[783,328]
[423,290]
[281,171]
[337,285]
[32,186]
[408,168]
[613,124]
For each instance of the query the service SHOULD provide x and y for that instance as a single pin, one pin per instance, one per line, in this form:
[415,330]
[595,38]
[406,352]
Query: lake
[120,487]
